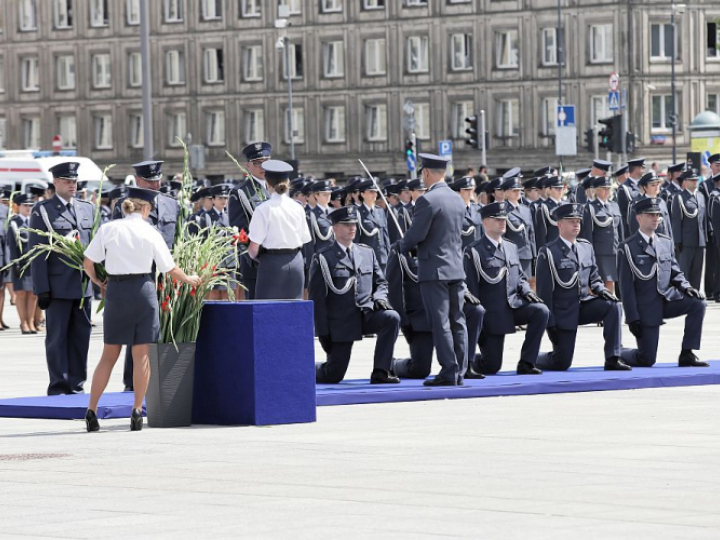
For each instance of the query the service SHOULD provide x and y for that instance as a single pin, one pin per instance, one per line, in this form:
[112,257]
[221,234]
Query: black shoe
[128,389]
[437,381]
[526,368]
[461,381]
[615,364]
[136,421]
[688,359]
[91,421]
[5,326]
[25,332]
[380,376]
[472,373]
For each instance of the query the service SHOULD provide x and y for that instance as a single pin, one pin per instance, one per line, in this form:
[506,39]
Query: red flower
[243,237]
[204,266]
[192,292]
[165,306]
[174,281]
[160,286]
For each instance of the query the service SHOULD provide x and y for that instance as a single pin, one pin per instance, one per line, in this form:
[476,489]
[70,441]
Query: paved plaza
[607,465]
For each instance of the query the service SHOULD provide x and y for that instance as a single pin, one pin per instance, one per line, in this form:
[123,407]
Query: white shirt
[493,242]
[567,243]
[65,203]
[129,246]
[279,223]
[647,238]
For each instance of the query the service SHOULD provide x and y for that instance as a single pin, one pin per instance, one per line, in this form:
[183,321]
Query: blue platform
[118,405]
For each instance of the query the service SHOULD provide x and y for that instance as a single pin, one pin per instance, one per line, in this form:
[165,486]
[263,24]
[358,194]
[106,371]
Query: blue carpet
[593,379]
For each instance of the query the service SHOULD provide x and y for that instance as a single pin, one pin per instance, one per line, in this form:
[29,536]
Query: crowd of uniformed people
[454,264]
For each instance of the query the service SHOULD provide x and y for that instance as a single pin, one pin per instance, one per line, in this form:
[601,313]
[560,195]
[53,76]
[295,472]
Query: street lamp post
[283,43]
[148,150]
[674,8]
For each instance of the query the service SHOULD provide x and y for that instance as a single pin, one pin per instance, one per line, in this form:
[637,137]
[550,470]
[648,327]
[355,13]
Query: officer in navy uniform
[713,212]
[530,194]
[4,260]
[196,221]
[17,240]
[495,276]
[581,195]
[392,192]
[472,223]
[545,226]
[436,231]
[712,262]
[519,227]
[672,186]
[319,221]
[349,292]
[566,272]
[629,191]
[621,175]
[164,217]
[416,189]
[218,214]
[649,186]
[60,289]
[372,227]
[654,289]
[689,227]
[242,202]
[602,227]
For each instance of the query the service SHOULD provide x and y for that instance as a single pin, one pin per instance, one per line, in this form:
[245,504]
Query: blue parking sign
[445,148]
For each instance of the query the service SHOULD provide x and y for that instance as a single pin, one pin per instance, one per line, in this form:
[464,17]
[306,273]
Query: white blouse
[279,223]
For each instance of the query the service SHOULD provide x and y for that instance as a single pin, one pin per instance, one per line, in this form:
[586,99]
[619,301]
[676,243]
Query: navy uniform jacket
[339,316]
[51,274]
[501,298]
[320,227]
[643,298]
[372,230]
[164,216]
[626,194]
[564,302]
[196,222]
[689,231]
[521,231]
[242,202]
[436,230]
[105,214]
[3,238]
[17,241]
[545,230]
[714,217]
[668,193]
[405,214]
[213,217]
[404,292]
[472,225]
[664,227]
[601,227]
[392,228]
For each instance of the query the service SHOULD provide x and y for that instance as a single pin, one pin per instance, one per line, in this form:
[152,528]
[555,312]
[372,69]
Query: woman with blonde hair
[129,247]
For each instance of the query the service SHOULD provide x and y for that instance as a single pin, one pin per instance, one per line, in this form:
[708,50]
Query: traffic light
[611,135]
[589,142]
[472,131]
[630,142]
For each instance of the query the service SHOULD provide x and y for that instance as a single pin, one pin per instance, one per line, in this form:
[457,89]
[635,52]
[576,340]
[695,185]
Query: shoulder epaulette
[583,240]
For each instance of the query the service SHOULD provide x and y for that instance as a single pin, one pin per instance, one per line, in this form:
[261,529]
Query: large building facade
[73,67]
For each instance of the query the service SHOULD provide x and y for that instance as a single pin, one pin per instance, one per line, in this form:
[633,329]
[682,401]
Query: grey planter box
[168,401]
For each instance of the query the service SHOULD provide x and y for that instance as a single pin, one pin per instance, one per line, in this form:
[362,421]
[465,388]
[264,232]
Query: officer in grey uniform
[545,226]
[472,223]
[243,200]
[689,227]
[566,272]
[436,231]
[520,229]
[495,276]
[60,289]
[372,227]
[649,186]
[654,289]
[349,292]
[629,191]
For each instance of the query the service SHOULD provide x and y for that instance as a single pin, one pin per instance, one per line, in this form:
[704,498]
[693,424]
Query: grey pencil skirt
[280,276]
[131,311]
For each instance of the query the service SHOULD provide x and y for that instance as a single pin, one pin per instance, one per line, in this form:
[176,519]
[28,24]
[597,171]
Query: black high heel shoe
[136,421]
[91,421]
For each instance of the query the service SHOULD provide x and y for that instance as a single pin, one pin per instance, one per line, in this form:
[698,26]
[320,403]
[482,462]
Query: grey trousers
[690,260]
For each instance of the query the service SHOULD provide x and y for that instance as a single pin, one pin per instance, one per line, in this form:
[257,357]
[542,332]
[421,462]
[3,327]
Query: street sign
[410,160]
[614,100]
[566,131]
[445,148]
[566,115]
[614,82]
[57,144]
[706,158]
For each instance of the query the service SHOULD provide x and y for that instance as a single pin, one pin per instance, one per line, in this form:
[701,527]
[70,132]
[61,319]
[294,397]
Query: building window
[27,13]
[712,40]
[2,75]
[549,47]
[102,128]
[175,67]
[601,43]
[215,127]
[253,63]
[422,121]
[213,66]
[99,13]
[132,12]
[3,133]
[461,53]
[254,125]
[65,72]
[508,120]
[661,38]
[661,114]
[177,127]
[289,7]
[373,4]
[29,74]
[250,8]
[173,11]
[134,69]
[211,10]
[67,128]
[101,70]
[331,6]
[713,103]
[296,62]
[333,59]
[418,54]
[62,14]
[548,116]
[506,49]
[335,124]
[376,122]
[460,111]
[416,3]
[375,63]
[136,131]
[298,125]
[598,109]
[31,132]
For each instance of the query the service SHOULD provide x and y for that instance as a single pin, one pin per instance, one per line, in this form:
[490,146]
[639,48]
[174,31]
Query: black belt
[125,277]
[290,251]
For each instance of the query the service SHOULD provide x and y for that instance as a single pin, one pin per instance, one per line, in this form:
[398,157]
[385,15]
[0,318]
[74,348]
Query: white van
[19,171]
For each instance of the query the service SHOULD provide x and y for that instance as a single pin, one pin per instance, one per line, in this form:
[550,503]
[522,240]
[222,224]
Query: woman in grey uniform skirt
[17,240]
[278,231]
[129,247]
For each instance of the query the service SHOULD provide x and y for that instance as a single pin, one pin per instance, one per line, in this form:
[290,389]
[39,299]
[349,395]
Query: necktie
[651,242]
[575,251]
[71,210]
[350,255]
